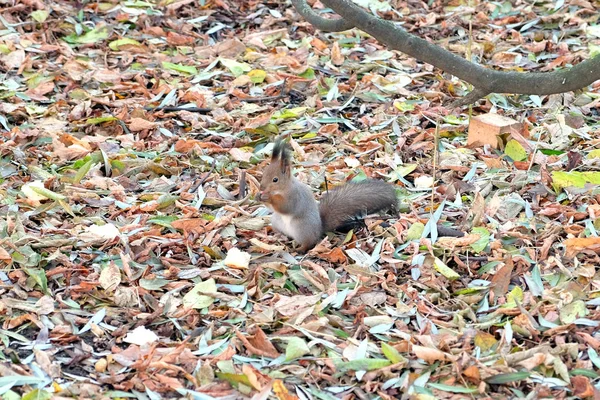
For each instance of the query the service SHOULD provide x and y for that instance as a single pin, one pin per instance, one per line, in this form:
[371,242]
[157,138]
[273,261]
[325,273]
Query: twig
[179,108]
[242,185]
[193,188]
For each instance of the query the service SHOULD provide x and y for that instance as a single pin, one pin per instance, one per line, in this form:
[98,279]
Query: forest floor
[136,262]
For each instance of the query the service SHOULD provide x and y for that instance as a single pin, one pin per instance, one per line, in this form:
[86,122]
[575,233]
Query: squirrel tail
[344,205]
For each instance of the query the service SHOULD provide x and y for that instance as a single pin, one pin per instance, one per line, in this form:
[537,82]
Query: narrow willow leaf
[82,172]
[501,379]
[452,389]
[47,193]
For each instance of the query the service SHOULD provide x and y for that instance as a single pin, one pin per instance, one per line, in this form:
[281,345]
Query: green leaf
[82,172]
[116,44]
[163,220]
[483,241]
[184,69]
[40,15]
[47,193]
[594,154]
[195,299]
[26,256]
[289,113]
[308,74]
[550,152]
[392,354]
[405,169]
[10,395]
[165,200]
[572,311]
[296,348]
[562,179]
[452,389]
[443,269]
[257,75]
[37,394]
[515,151]
[20,380]
[363,364]
[592,177]
[234,379]
[584,372]
[90,37]
[594,50]
[340,333]
[501,379]
[39,276]
[153,284]
[236,68]
[415,231]
[66,207]
[100,120]
[513,296]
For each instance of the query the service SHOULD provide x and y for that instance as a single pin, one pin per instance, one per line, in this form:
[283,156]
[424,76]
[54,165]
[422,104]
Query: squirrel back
[345,204]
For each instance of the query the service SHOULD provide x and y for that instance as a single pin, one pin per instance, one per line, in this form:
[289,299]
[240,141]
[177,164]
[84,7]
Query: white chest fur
[284,224]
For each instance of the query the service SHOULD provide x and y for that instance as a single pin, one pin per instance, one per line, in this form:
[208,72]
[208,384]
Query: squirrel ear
[284,163]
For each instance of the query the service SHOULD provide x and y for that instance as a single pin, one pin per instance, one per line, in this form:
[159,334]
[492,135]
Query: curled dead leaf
[140,124]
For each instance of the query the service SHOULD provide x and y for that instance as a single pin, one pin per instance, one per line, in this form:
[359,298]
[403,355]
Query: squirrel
[297,214]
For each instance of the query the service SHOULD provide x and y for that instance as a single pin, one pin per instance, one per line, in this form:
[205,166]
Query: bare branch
[324,24]
[484,80]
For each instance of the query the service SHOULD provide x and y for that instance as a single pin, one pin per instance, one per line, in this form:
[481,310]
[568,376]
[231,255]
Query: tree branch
[484,80]
[323,24]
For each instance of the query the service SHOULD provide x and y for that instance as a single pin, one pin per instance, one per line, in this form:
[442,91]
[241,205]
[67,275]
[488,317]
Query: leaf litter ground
[136,263]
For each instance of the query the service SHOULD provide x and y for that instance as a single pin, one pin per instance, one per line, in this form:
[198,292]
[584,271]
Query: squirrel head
[276,176]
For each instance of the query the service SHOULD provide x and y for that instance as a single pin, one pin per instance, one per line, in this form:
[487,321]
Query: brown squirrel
[297,214]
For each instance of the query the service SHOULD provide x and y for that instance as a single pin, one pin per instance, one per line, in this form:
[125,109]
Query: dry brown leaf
[430,355]
[501,280]
[262,342]
[336,54]
[140,124]
[110,277]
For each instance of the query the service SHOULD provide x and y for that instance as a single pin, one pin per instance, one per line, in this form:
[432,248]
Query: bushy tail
[345,204]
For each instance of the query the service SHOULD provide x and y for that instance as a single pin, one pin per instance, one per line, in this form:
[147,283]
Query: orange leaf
[252,377]
[281,391]
[472,373]
[196,225]
[335,256]
[576,245]
[582,387]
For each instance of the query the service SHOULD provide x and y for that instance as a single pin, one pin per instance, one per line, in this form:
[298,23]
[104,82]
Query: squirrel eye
[275,179]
